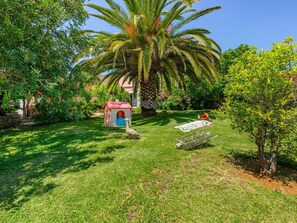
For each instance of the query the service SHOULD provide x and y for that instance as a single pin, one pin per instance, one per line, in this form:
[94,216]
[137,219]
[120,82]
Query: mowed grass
[86,172]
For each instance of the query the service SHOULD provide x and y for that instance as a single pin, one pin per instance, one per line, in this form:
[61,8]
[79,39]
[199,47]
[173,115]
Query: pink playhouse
[116,112]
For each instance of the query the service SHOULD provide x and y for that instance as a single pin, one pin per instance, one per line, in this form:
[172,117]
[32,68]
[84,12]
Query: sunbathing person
[204,117]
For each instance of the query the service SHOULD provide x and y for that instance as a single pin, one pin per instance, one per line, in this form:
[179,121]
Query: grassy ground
[85,172]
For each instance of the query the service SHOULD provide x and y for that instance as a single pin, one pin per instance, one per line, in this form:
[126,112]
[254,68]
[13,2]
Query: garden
[211,137]
[85,172]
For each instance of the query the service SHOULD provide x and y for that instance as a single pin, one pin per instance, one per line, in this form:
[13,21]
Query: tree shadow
[30,155]
[164,118]
[198,147]
[248,161]
[110,149]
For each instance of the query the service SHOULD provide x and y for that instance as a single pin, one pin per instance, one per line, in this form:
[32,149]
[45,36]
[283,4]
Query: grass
[85,172]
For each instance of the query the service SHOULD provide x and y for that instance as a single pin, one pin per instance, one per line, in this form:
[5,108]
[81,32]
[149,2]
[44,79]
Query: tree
[38,40]
[151,47]
[259,96]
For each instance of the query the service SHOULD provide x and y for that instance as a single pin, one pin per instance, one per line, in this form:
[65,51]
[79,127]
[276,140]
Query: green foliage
[66,100]
[174,102]
[67,109]
[200,95]
[204,97]
[152,46]
[231,56]
[102,95]
[177,99]
[8,104]
[259,96]
[38,41]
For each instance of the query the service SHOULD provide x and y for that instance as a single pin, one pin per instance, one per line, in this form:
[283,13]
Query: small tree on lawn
[259,99]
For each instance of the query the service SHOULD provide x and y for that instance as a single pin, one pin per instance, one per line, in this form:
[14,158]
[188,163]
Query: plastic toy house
[116,112]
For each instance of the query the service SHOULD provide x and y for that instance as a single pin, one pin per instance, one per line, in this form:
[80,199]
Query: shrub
[176,100]
[259,96]
[64,101]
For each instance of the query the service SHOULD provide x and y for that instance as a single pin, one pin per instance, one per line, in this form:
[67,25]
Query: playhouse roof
[117,105]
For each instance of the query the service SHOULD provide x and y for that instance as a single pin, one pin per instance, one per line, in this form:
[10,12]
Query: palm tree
[151,47]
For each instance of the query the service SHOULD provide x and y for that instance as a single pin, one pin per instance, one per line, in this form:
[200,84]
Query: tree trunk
[261,158]
[268,166]
[273,159]
[2,113]
[273,163]
[24,109]
[148,95]
[260,141]
[27,110]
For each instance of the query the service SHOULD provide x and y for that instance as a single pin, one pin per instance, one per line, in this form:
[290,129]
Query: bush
[194,97]
[7,104]
[101,95]
[204,96]
[66,100]
[51,110]
[176,100]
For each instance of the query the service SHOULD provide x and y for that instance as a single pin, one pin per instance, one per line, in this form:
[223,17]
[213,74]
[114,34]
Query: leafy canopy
[260,97]
[38,41]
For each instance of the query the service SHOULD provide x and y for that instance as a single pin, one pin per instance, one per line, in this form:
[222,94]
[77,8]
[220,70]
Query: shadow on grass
[204,146]
[110,149]
[248,161]
[30,155]
[164,118]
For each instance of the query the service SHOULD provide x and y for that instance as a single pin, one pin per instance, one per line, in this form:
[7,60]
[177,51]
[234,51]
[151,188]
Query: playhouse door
[120,118]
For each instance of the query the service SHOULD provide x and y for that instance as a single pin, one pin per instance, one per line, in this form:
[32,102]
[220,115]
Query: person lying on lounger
[204,117]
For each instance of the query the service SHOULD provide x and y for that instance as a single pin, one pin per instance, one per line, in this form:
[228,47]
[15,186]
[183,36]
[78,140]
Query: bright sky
[254,22]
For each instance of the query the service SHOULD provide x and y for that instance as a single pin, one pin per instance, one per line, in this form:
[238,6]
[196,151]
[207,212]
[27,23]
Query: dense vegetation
[203,96]
[37,45]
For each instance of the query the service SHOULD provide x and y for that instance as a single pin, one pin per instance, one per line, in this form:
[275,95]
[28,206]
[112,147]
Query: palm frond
[193,17]
[172,15]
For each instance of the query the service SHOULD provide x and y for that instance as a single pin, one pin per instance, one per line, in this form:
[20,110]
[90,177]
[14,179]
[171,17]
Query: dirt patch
[132,215]
[284,181]
[274,184]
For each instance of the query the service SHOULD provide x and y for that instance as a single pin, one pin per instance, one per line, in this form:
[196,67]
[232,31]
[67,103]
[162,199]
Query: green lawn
[86,172]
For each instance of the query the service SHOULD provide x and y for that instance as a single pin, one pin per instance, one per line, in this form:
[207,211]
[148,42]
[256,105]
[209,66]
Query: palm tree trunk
[148,95]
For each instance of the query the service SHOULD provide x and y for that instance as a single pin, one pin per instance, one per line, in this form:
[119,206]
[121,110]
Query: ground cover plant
[86,172]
